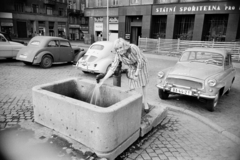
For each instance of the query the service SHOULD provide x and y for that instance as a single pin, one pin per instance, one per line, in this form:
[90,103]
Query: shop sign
[113,19]
[85,28]
[98,19]
[74,26]
[196,8]
[9,24]
[98,26]
[127,36]
[6,15]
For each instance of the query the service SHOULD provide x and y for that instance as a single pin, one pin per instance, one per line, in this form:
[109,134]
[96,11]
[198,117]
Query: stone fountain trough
[107,128]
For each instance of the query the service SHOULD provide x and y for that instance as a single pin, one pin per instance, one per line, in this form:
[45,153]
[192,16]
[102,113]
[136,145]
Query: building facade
[35,17]
[77,23]
[203,20]
[27,18]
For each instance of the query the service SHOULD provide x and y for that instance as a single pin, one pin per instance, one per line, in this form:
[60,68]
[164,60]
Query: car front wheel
[163,94]
[46,61]
[212,103]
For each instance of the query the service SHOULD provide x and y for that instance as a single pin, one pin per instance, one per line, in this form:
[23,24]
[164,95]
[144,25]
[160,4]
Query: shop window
[215,27]
[184,27]
[159,24]
[35,8]
[49,11]
[18,7]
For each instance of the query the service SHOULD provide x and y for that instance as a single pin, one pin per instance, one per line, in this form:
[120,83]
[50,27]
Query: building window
[99,3]
[215,27]
[115,2]
[60,12]
[135,2]
[18,7]
[35,8]
[49,11]
[184,27]
[159,24]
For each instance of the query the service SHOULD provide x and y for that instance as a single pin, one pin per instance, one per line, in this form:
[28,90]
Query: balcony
[75,12]
[49,2]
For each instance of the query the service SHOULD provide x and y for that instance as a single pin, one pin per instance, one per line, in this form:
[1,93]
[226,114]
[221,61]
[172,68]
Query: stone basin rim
[134,95]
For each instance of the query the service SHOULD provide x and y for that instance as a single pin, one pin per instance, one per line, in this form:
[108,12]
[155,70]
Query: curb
[206,121]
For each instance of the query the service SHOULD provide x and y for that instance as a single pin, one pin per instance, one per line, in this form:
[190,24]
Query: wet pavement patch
[22,144]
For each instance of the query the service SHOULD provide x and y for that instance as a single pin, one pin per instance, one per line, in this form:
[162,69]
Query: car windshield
[97,47]
[202,57]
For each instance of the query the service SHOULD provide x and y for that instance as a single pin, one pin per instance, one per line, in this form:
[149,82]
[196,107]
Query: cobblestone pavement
[179,137]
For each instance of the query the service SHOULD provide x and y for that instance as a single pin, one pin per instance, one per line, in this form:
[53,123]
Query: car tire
[85,72]
[212,103]
[229,89]
[46,61]
[27,63]
[163,94]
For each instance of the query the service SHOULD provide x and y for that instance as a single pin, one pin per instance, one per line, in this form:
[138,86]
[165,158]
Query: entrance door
[135,33]
[22,29]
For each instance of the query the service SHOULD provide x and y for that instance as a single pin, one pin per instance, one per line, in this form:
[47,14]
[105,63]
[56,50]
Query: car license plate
[181,91]
[23,56]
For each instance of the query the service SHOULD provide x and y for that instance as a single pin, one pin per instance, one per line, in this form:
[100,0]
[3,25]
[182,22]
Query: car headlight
[160,74]
[212,82]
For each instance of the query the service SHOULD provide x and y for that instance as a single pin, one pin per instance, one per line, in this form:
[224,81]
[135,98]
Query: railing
[174,47]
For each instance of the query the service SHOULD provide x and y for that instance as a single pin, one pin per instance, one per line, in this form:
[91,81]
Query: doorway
[22,29]
[136,32]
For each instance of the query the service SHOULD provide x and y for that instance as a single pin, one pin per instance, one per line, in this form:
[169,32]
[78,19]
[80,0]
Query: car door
[5,48]
[228,72]
[65,52]
[53,48]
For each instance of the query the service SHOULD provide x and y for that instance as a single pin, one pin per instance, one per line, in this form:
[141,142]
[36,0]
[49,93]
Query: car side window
[2,39]
[64,44]
[227,61]
[53,44]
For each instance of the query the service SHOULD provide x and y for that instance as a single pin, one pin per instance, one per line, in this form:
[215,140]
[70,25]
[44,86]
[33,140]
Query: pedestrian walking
[133,58]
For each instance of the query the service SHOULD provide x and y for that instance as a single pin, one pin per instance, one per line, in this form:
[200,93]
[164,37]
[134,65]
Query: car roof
[45,39]
[104,42]
[222,51]
[48,38]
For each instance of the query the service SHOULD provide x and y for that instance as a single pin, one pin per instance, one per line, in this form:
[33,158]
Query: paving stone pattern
[179,137]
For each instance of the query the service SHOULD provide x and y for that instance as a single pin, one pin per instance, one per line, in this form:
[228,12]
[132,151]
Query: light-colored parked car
[200,72]
[46,50]
[98,58]
[9,49]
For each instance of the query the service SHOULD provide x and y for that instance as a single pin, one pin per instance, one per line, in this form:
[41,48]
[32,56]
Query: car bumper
[86,68]
[188,91]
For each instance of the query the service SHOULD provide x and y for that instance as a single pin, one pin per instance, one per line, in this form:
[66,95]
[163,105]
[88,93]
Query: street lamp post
[107,21]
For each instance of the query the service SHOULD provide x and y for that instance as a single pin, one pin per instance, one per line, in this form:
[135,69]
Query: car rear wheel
[212,103]
[46,61]
[163,94]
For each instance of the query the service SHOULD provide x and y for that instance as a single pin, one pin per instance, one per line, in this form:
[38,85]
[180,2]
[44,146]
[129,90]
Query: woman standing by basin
[131,55]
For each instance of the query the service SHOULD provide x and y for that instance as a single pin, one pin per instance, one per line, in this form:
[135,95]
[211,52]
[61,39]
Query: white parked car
[98,58]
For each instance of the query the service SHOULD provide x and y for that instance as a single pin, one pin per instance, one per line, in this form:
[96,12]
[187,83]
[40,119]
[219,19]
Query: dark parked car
[46,50]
